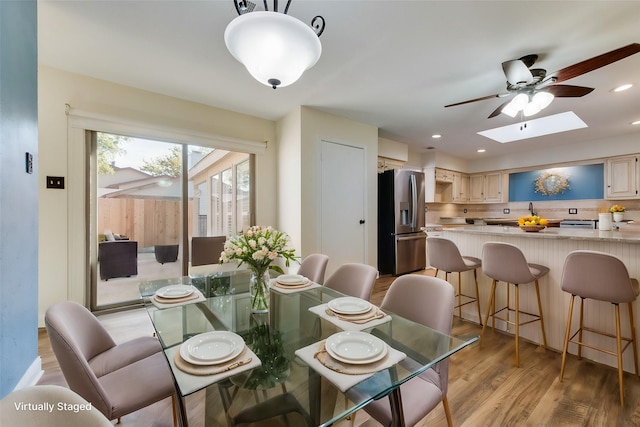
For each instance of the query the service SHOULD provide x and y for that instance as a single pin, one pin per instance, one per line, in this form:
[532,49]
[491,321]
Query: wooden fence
[148,221]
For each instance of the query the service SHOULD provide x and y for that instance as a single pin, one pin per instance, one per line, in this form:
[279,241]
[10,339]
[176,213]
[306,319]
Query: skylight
[526,129]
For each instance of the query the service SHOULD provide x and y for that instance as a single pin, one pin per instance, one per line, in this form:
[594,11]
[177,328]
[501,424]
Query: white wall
[317,125]
[60,230]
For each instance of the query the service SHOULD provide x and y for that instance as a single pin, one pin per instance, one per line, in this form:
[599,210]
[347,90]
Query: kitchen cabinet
[443,175]
[485,188]
[622,177]
[460,189]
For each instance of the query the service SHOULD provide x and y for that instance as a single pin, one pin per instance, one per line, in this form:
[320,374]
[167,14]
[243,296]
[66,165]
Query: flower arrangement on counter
[532,223]
[258,247]
[616,208]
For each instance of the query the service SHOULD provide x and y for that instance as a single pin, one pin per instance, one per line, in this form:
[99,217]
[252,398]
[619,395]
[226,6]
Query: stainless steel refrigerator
[401,237]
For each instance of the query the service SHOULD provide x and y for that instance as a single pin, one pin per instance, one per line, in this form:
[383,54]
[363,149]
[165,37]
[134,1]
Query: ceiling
[391,64]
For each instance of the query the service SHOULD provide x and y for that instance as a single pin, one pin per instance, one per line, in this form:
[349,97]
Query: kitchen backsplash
[586,209]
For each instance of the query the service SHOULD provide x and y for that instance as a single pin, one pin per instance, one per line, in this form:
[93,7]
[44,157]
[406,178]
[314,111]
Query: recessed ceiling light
[623,87]
[637,122]
[533,128]
[481,150]
[436,136]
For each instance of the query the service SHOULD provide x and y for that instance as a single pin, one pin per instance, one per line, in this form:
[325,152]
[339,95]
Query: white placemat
[291,289]
[161,305]
[341,380]
[321,311]
[190,383]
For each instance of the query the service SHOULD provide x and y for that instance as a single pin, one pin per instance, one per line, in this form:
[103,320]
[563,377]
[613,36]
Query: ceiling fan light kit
[274,47]
[535,89]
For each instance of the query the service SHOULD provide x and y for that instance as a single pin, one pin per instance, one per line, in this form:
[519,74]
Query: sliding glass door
[151,199]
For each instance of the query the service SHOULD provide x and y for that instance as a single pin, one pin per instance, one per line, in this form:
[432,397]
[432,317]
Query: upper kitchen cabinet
[622,177]
[460,188]
[485,188]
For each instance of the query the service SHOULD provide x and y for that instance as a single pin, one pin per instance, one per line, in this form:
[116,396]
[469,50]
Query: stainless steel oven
[579,223]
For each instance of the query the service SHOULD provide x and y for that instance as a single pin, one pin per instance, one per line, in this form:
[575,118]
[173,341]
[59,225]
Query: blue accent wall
[18,191]
[585,182]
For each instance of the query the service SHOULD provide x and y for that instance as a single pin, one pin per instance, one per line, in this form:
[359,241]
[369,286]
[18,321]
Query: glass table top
[275,336]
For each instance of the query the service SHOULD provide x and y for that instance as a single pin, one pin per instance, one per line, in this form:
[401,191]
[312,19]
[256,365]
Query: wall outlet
[506,211]
[573,211]
[55,182]
[464,210]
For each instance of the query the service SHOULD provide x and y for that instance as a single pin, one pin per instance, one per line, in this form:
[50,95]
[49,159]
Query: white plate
[291,279]
[349,305]
[175,291]
[212,348]
[355,347]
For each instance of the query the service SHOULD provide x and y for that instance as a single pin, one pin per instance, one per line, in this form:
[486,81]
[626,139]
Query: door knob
[362,221]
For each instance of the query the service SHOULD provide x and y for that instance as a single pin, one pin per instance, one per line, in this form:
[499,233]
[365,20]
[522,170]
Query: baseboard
[32,375]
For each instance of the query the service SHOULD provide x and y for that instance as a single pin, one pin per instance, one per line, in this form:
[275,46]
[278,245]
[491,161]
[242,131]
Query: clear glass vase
[259,290]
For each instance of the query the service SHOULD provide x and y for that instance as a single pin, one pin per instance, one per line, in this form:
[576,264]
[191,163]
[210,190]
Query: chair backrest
[206,250]
[353,279]
[597,275]
[444,255]
[13,415]
[76,337]
[505,262]
[313,267]
[426,300]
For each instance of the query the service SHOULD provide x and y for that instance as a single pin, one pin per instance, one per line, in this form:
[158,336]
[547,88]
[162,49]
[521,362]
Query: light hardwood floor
[485,388]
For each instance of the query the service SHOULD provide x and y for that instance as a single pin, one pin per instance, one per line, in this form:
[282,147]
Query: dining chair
[313,267]
[206,250]
[504,262]
[444,255]
[13,412]
[428,301]
[602,277]
[116,379]
[353,279]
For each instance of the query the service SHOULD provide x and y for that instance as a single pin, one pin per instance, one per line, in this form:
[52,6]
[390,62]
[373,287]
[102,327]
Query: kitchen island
[550,247]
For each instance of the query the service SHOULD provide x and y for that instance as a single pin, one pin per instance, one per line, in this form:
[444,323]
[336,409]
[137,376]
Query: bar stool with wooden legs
[504,262]
[444,255]
[602,277]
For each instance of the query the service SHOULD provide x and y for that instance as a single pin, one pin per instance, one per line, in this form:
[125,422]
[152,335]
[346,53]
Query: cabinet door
[460,187]
[443,175]
[493,187]
[476,188]
[622,178]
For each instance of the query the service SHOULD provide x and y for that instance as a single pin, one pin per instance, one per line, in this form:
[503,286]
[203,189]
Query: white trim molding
[139,129]
[31,376]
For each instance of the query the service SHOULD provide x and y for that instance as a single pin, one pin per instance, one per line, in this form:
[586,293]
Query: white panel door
[342,203]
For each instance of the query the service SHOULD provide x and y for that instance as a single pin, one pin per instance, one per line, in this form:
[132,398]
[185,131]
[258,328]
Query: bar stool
[504,262]
[444,255]
[602,277]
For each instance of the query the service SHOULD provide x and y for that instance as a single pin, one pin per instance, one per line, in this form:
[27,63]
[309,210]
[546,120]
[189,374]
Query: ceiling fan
[535,88]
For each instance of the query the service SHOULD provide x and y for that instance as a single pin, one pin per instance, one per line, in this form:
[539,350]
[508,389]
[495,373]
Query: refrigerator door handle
[414,199]
[411,238]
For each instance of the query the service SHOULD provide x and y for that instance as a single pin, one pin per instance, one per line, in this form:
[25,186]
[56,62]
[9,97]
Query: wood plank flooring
[485,388]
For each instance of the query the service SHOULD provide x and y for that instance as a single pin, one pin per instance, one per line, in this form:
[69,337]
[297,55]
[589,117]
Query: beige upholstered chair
[602,277]
[206,250]
[116,379]
[444,255]
[429,301]
[504,262]
[353,279]
[64,401]
[313,267]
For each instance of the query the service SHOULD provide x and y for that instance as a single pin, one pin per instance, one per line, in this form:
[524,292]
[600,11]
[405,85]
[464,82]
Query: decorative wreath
[551,183]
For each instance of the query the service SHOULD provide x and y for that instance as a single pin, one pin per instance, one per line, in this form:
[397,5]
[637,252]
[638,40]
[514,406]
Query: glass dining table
[283,385]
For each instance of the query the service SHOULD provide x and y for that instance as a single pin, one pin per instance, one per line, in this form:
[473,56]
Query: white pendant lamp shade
[520,101]
[542,99]
[275,48]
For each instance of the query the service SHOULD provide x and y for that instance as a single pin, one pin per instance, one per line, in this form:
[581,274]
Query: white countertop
[630,234]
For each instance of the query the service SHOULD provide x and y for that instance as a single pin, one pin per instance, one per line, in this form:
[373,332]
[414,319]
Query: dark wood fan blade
[596,62]
[498,110]
[568,91]
[499,95]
